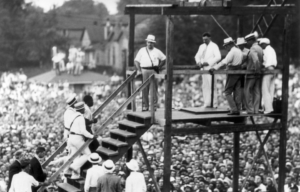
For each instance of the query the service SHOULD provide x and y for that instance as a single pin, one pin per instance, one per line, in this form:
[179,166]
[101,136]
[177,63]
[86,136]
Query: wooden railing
[106,123]
[97,112]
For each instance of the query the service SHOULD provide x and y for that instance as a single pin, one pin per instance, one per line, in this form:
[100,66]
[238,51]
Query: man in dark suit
[36,169]
[15,167]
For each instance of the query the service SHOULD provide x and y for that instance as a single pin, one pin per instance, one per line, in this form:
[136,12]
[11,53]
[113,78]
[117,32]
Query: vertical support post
[152,99]
[131,51]
[236,158]
[168,104]
[284,112]
[240,29]
[132,91]
[212,90]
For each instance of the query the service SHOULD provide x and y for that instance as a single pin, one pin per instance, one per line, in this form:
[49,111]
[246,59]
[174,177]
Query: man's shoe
[234,113]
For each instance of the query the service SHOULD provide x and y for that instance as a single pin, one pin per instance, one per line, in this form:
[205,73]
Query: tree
[83,7]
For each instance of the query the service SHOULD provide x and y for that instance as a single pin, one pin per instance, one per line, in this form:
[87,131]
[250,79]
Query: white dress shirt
[233,58]
[270,58]
[262,187]
[143,58]
[69,116]
[208,53]
[79,127]
[22,182]
[135,182]
[92,176]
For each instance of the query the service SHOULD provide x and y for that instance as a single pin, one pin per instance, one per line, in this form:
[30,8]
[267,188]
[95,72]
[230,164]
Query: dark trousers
[252,92]
[233,87]
[94,144]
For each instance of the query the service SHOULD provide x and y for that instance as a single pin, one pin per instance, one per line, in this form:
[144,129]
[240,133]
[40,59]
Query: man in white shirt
[77,135]
[259,182]
[148,61]
[135,182]
[208,54]
[233,61]
[268,81]
[22,182]
[93,173]
[69,115]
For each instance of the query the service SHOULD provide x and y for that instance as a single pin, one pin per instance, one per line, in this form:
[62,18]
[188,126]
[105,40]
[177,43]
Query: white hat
[261,167]
[133,165]
[94,158]
[71,100]
[227,41]
[78,106]
[250,37]
[109,166]
[265,41]
[240,41]
[151,38]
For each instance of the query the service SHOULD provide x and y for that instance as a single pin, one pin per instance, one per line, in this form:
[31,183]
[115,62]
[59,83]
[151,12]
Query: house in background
[85,32]
[116,36]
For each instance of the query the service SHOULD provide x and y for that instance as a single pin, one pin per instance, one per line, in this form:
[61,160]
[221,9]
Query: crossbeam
[225,129]
[243,10]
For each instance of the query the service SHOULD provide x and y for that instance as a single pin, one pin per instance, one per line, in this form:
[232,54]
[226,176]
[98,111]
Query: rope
[219,25]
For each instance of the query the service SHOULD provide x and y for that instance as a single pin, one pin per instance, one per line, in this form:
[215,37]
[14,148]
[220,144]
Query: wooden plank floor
[182,116]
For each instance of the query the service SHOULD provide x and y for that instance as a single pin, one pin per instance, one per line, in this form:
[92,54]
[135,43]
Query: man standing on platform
[208,54]
[36,169]
[252,89]
[15,167]
[233,61]
[148,61]
[268,81]
[77,135]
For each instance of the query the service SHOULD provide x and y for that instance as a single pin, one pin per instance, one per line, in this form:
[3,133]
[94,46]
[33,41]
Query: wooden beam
[236,161]
[148,165]
[284,118]
[225,129]
[193,72]
[168,105]
[130,52]
[242,10]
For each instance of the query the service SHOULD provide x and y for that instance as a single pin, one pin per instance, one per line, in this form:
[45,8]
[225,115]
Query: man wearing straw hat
[93,173]
[109,182]
[135,182]
[233,60]
[268,80]
[69,115]
[77,136]
[148,62]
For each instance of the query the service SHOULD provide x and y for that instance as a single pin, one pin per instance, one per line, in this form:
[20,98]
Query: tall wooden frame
[171,9]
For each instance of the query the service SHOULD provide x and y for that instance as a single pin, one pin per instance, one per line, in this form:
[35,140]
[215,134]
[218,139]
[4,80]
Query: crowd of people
[32,117]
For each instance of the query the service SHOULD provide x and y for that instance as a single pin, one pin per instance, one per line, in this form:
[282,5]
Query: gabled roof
[96,34]
[75,36]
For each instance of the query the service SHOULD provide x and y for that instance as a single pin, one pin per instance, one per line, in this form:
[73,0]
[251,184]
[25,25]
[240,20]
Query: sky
[48,4]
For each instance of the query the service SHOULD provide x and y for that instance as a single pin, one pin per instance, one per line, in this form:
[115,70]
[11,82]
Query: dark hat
[79,106]
[24,163]
[40,149]
[18,153]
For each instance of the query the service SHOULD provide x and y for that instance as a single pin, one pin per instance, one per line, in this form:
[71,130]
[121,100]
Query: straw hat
[151,38]
[109,166]
[94,158]
[133,165]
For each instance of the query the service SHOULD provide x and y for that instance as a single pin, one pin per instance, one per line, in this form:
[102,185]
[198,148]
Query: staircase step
[67,187]
[131,124]
[123,133]
[114,142]
[107,152]
[143,115]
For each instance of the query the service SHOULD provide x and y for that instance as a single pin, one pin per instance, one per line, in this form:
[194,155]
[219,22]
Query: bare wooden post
[168,104]
[131,51]
[236,158]
[152,107]
[212,90]
[132,91]
[148,165]
[284,108]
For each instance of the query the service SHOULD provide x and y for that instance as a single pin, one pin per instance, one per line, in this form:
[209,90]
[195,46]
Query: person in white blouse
[135,182]
[268,81]
[208,54]
[93,173]
[76,139]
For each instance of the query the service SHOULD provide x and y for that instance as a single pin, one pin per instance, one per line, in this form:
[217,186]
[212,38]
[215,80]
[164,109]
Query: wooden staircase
[113,147]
